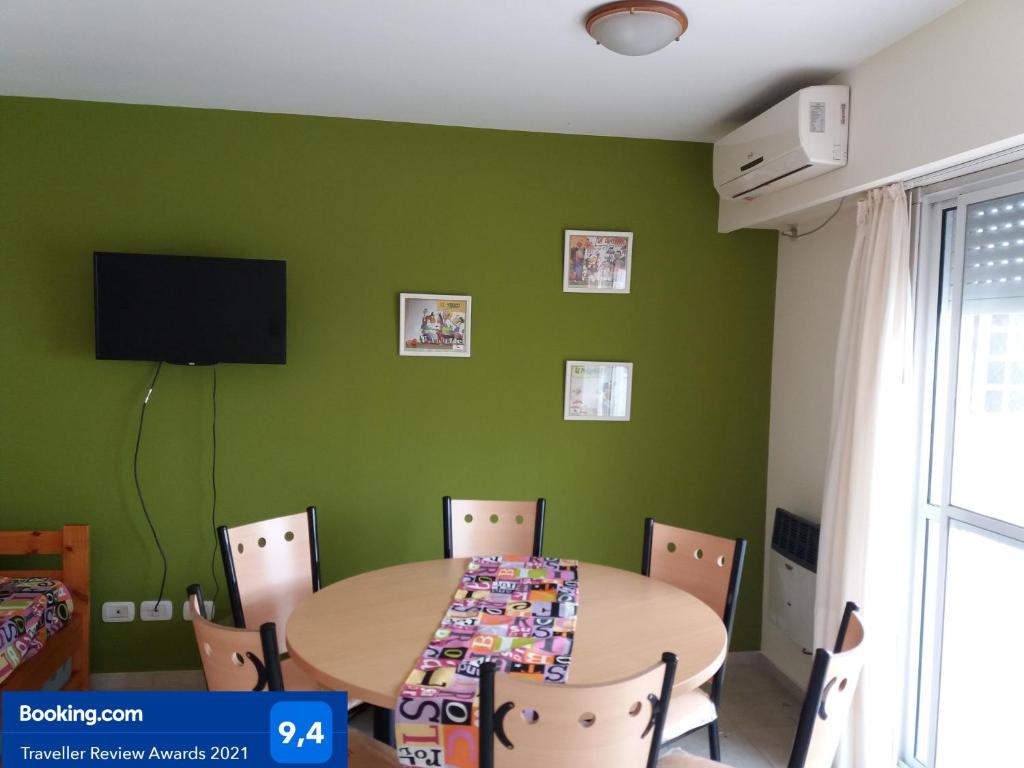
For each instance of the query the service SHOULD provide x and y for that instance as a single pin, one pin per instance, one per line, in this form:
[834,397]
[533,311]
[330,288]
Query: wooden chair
[270,566]
[248,660]
[473,527]
[235,659]
[71,544]
[708,567]
[249,651]
[524,724]
[826,707]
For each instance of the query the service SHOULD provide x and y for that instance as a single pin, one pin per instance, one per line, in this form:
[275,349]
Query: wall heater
[792,575]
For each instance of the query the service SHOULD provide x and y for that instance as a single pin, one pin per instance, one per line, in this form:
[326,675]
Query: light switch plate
[118,613]
[150,611]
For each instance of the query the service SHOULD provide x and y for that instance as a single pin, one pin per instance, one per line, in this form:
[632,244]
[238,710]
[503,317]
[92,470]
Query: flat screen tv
[189,310]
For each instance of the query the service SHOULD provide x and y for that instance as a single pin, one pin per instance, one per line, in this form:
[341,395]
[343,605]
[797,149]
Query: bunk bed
[47,665]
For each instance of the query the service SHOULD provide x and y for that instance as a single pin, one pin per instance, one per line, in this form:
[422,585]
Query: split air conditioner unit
[799,138]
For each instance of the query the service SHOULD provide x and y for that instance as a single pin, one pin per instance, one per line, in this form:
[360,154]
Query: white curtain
[866,551]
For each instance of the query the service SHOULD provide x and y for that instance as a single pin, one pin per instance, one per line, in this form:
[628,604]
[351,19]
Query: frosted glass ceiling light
[636,28]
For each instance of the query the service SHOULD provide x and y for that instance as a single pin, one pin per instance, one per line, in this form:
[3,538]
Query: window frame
[939,285]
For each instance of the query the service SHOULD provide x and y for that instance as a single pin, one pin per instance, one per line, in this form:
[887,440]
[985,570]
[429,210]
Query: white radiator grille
[792,565]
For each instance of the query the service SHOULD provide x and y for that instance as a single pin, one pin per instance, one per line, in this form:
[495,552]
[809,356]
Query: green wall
[362,211]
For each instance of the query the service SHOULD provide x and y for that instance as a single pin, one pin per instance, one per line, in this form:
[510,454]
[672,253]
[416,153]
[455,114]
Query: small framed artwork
[433,325]
[597,391]
[597,262]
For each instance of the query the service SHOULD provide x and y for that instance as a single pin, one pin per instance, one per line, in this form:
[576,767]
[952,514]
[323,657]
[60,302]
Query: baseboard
[169,680]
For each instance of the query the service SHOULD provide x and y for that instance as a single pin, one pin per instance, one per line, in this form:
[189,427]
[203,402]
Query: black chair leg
[714,748]
[384,725]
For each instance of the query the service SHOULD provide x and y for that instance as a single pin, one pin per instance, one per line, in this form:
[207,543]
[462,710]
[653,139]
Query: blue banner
[122,728]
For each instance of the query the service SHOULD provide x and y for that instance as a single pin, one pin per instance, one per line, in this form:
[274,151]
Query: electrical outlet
[118,613]
[186,610]
[150,611]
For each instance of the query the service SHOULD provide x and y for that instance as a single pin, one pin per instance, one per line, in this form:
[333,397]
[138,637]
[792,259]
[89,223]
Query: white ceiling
[515,64]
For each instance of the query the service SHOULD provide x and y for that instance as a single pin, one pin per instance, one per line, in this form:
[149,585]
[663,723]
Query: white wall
[811,279]
[945,94]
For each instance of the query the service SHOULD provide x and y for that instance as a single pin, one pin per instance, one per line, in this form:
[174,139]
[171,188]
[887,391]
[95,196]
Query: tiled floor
[757,717]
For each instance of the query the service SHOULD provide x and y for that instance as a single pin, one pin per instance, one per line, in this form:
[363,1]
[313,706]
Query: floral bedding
[31,609]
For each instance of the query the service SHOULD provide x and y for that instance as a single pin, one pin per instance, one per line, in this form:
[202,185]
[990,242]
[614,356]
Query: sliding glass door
[967,676]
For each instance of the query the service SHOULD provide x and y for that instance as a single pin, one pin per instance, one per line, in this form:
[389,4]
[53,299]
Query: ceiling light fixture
[636,27]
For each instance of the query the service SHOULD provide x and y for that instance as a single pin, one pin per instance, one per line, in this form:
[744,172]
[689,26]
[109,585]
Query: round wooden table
[364,634]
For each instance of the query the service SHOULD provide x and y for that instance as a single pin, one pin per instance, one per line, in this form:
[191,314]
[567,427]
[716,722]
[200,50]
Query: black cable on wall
[213,484]
[138,484]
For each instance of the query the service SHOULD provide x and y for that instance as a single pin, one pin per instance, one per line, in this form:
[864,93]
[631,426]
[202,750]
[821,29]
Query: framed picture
[597,262]
[597,391]
[433,325]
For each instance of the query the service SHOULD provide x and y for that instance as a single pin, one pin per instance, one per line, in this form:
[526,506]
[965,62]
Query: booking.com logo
[90,716]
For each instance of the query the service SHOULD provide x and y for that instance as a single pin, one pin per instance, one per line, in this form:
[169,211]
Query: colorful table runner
[31,609]
[520,613]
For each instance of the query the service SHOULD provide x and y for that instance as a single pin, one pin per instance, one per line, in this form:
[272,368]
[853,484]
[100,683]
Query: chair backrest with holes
[473,527]
[826,707]
[524,724]
[270,567]
[235,659]
[708,567]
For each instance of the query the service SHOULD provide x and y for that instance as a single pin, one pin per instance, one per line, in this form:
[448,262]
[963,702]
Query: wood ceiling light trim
[649,6]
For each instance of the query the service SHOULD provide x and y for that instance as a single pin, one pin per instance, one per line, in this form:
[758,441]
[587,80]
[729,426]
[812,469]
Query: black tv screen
[189,310]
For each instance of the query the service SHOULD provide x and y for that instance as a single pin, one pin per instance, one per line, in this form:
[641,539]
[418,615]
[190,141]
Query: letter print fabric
[520,613]
[31,609]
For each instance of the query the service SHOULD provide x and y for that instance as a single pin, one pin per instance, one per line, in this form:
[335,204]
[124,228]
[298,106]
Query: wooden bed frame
[72,544]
